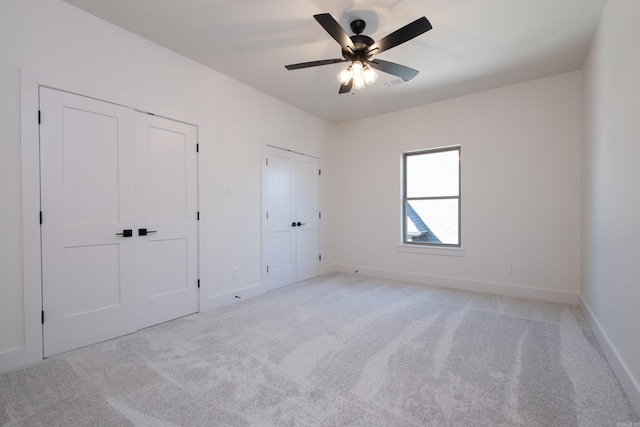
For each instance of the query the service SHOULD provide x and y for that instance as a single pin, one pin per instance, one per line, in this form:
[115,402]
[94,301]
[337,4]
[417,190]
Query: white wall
[520,190]
[62,44]
[611,186]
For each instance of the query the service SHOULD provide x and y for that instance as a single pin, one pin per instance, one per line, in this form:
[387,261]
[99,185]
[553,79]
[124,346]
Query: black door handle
[293,224]
[125,233]
[144,231]
[301,224]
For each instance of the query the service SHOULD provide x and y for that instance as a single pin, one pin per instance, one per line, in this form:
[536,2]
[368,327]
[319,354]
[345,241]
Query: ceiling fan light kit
[359,49]
[362,75]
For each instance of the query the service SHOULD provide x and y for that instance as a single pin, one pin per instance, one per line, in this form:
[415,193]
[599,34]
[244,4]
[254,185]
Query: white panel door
[279,244]
[307,217]
[291,242]
[166,200]
[88,265]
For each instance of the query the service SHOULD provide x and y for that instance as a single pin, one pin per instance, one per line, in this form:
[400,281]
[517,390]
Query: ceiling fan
[359,50]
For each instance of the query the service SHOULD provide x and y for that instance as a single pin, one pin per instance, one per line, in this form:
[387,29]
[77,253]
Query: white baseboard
[13,360]
[230,297]
[563,297]
[626,379]
[328,269]
[246,293]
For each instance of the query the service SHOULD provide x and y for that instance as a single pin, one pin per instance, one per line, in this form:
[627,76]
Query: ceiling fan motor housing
[362,44]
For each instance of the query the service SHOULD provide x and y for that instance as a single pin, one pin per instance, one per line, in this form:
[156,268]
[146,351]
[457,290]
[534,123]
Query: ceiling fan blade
[405,73]
[314,64]
[334,29]
[404,34]
[346,88]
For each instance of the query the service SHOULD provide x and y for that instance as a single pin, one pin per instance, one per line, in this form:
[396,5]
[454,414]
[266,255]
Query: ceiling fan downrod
[358,26]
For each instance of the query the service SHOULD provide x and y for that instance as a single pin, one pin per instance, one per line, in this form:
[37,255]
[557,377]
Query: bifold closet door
[291,226]
[88,208]
[166,206]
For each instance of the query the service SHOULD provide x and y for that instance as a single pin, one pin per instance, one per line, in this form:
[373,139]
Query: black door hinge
[198,283]
[319,257]
[40,217]
[197,148]
[319,171]
[39,117]
[198,216]
[42,317]
[267,268]
[267,161]
[319,214]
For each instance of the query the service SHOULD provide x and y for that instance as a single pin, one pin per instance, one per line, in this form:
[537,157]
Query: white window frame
[430,247]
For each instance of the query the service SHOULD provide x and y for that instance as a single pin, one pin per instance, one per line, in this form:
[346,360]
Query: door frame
[263,212]
[30,82]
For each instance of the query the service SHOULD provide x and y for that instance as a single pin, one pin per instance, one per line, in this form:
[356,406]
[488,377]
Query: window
[431,197]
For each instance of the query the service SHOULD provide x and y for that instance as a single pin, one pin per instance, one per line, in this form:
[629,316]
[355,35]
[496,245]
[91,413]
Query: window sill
[431,250]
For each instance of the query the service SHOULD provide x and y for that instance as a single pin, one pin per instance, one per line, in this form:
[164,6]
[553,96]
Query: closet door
[119,220]
[307,203]
[279,237]
[87,201]
[167,228]
[291,242]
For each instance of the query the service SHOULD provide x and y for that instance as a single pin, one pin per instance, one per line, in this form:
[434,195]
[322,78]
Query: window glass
[433,174]
[433,221]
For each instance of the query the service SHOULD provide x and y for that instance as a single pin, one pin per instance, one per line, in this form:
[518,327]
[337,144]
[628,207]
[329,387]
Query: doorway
[118,220]
[291,221]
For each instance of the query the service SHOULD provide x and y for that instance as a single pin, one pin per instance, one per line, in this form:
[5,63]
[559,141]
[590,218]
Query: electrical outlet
[234,272]
[511,267]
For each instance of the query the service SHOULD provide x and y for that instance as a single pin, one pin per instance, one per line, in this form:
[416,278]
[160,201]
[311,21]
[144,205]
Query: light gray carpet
[333,351]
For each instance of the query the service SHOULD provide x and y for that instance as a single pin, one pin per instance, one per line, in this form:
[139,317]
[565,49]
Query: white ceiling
[474,45]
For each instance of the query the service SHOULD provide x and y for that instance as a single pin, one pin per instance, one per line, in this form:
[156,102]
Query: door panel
[91,279]
[308,262]
[167,206]
[170,260]
[87,161]
[91,172]
[167,152]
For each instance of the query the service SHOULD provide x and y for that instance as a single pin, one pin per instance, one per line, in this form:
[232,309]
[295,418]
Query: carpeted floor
[339,350]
